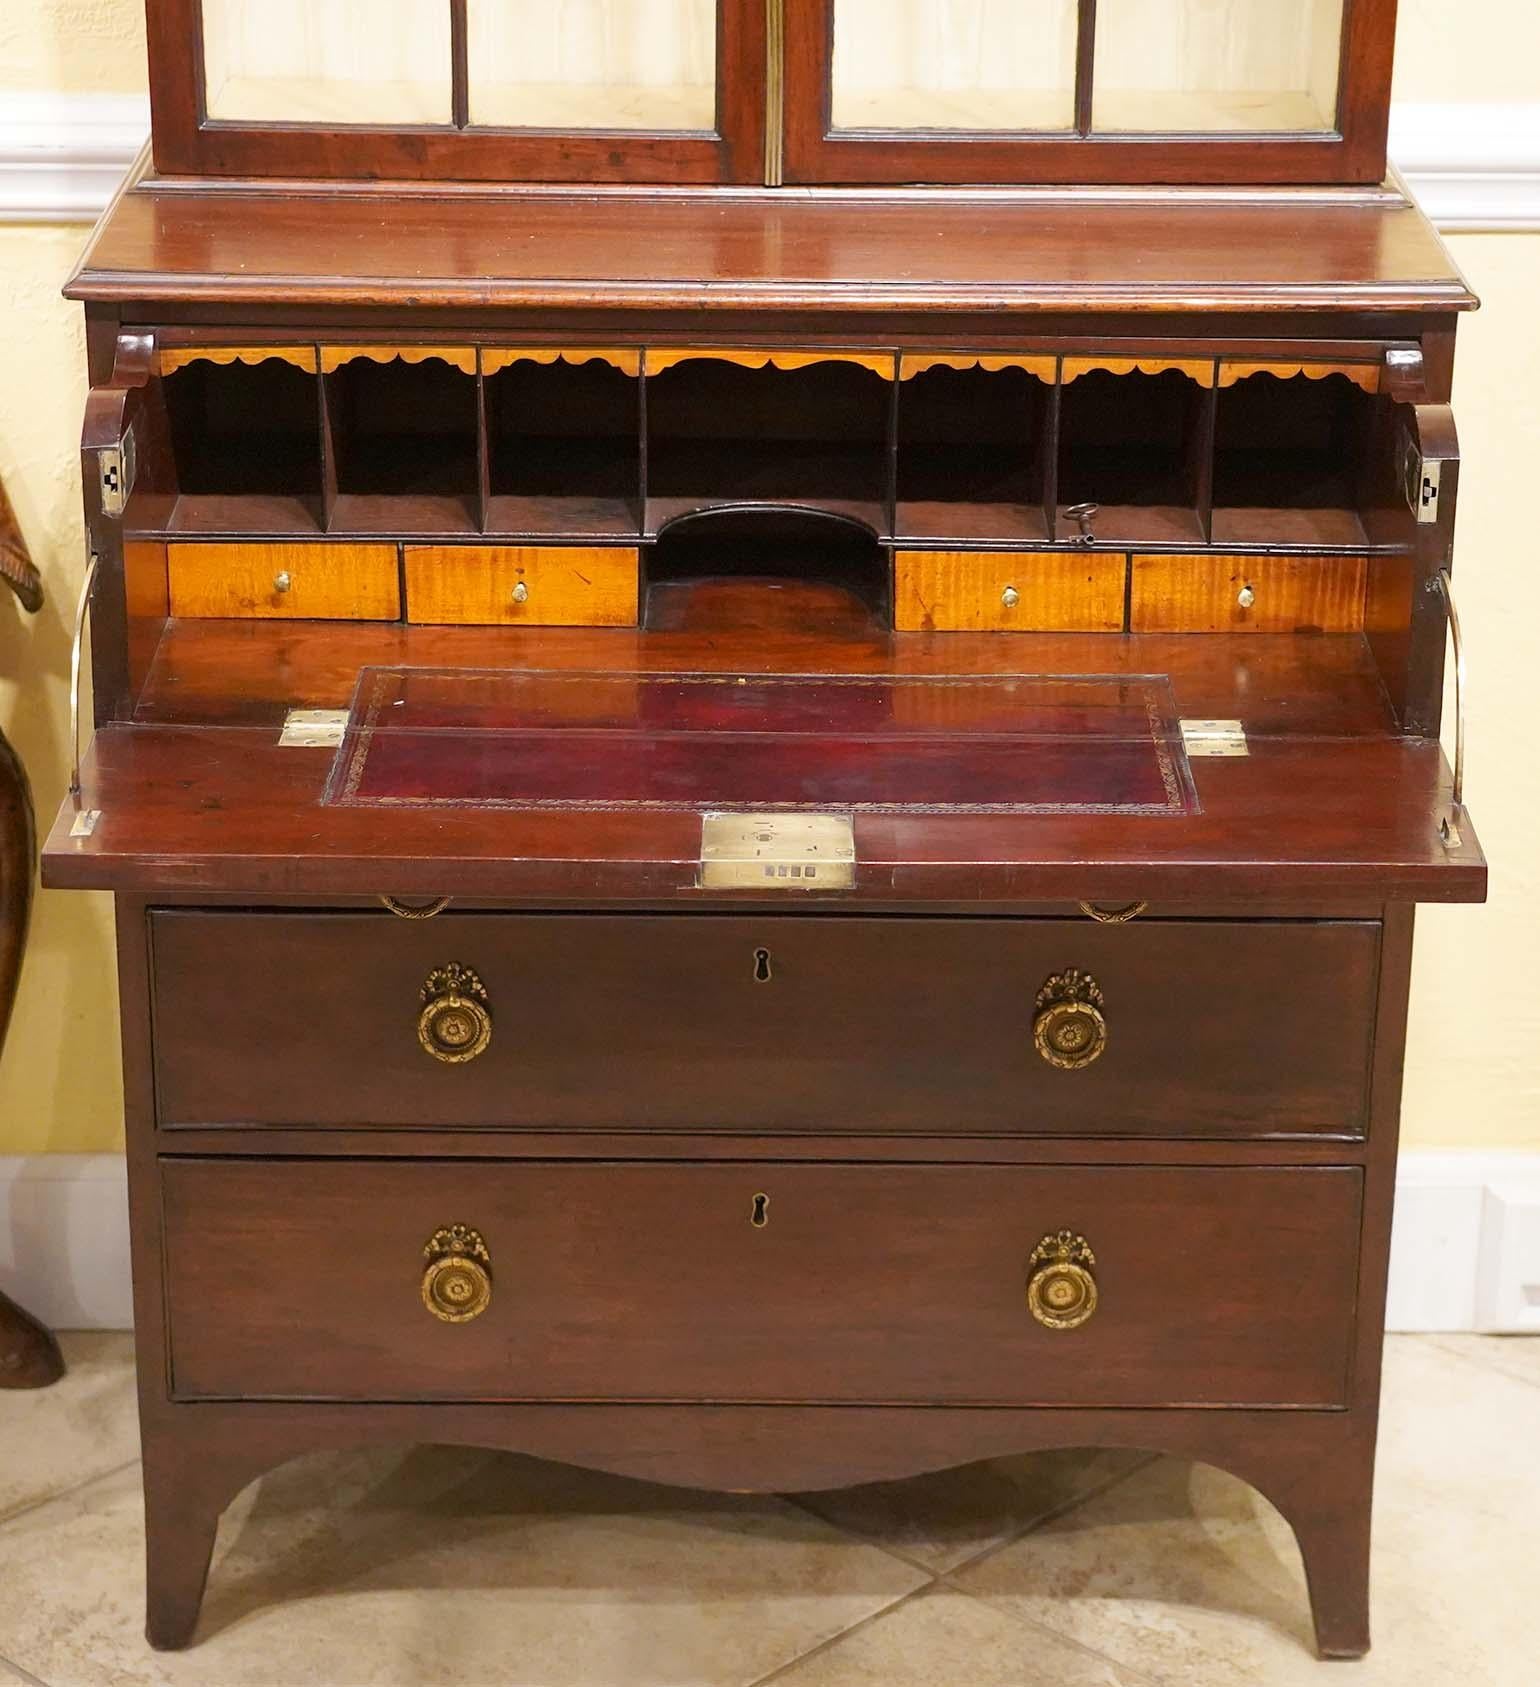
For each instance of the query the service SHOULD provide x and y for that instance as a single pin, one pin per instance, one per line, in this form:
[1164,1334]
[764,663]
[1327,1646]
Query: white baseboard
[64,1239]
[1473,166]
[1466,1253]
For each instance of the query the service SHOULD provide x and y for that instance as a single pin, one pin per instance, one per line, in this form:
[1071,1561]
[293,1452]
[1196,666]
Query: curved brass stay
[1070,1031]
[416,911]
[455,1025]
[457,1277]
[1061,1290]
[1114,916]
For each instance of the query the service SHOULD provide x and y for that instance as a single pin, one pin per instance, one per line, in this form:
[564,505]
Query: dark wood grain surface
[1232,1155]
[226,809]
[1218,1287]
[862,1025]
[798,252]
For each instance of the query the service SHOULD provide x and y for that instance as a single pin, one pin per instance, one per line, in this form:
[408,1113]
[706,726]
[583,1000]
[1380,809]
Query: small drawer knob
[1070,1030]
[1061,1290]
[1246,597]
[1010,597]
[457,1274]
[455,1024]
[521,593]
[282,581]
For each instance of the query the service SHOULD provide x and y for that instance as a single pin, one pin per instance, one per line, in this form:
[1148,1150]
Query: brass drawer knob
[1061,1291]
[457,1279]
[455,1024]
[1069,1029]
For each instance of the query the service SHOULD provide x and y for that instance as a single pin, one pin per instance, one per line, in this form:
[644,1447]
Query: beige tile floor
[442,1566]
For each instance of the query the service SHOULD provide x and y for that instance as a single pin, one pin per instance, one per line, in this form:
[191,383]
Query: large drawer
[302,1279]
[670,1022]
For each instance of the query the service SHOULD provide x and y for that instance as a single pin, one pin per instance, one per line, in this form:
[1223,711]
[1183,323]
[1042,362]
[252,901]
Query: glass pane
[328,61]
[1211,66]
[593,64]
[954,64]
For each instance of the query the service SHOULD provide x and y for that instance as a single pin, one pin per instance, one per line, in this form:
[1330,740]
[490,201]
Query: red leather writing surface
[1019,744]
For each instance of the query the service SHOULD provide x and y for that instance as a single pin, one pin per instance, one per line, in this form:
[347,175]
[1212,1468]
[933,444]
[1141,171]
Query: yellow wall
[95,45]
[1473,1076]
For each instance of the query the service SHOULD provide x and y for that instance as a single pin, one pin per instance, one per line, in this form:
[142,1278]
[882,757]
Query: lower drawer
[761,1282]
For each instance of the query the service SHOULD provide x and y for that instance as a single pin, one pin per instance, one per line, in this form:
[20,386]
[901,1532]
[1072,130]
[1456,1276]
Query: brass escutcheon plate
[777,852]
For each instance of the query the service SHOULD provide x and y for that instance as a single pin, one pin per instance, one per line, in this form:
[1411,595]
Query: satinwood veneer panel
[1008,591]
[285,582]
[537,586]
[1259,594]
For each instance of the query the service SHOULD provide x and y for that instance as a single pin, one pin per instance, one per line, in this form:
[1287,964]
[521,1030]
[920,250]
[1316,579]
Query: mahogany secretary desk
[767,704]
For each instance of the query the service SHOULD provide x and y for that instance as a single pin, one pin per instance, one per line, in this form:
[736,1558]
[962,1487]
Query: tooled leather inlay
[907,744]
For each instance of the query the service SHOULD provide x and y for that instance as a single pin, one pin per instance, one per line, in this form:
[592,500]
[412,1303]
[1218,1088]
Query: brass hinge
[313,729]
[116,467]
[777,852]
[1424,478]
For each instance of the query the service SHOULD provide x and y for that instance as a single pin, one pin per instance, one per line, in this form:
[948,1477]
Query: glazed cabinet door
[1087,90]
[511,90]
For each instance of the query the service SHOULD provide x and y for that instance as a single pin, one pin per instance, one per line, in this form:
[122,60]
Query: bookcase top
[409,246]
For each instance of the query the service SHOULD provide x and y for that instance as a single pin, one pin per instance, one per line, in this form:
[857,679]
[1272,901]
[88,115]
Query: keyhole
[761,966]
[760,1216]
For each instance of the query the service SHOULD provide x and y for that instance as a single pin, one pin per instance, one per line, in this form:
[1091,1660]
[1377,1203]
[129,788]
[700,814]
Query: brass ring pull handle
[455,1024]
[1449,826]
[1114,916]
[457,1278]
[1061,1291]
[416,911]
[1069,1030]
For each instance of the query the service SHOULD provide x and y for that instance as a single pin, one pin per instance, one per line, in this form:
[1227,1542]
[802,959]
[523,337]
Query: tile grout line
[64,1494]
[1043,1519]
[25,1676]
[1036,1522]
[1481,1364]
[834,1640]
[856,1537]
[1130,1675]
[941,1580]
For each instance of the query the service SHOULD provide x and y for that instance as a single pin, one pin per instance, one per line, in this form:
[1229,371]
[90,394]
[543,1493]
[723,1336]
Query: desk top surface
[1038,252]
[198,794]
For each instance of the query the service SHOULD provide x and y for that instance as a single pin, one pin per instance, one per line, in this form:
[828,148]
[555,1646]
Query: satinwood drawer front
[536,585]
[761,1282]
[768,1022]
[284,582]
[1008,591]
